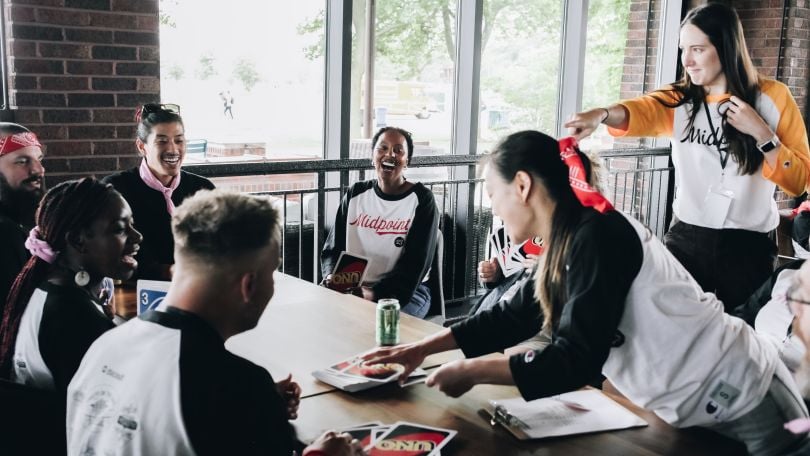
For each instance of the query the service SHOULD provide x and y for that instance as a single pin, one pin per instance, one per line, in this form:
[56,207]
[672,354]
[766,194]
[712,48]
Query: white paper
[549,417]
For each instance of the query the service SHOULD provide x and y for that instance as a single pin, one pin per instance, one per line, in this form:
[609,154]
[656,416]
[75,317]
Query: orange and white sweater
[697,161]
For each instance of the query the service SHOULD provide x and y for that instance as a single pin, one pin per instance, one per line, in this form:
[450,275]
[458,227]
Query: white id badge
[716,206]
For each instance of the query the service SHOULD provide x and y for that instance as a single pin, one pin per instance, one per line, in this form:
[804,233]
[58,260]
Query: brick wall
[762,22]
[640,56]
[79,68]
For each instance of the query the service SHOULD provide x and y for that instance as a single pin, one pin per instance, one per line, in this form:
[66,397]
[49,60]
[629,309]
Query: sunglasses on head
[150,108]
[156,107]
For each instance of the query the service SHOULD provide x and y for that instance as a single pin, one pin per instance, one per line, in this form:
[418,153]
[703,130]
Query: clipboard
[578,412]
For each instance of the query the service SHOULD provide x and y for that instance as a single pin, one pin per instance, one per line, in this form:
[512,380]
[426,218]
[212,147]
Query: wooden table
[306,327]
[420,404]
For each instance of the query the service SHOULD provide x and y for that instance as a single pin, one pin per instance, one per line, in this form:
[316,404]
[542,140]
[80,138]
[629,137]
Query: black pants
[732,264]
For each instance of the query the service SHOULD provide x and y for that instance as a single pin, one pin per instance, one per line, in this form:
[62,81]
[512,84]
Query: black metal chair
[435,283]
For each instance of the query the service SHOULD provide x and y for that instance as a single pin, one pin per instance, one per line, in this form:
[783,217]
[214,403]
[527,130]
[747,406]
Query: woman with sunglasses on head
[83,234]
[735,137]
[158,185]
[617,303]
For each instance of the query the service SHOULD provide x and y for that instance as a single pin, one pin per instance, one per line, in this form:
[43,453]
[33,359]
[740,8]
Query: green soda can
[387,322]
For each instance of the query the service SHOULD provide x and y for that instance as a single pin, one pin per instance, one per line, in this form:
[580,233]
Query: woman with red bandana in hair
[618,303]
[158,185]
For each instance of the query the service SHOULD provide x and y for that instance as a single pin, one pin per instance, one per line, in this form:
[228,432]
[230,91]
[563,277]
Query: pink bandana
[799,426]
[152,182]
[586,194]
[18,141]
[804,207]
[39,248]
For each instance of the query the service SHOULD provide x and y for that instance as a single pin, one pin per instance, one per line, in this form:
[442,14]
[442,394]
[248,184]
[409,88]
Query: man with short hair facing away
[21,188]
[164,383]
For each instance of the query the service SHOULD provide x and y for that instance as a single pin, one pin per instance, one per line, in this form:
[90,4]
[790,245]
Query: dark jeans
[420,302]
[732,264]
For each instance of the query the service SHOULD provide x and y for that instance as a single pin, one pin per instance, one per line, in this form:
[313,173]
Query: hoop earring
[81,278]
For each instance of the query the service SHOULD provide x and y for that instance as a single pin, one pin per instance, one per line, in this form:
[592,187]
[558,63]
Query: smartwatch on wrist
[769,145]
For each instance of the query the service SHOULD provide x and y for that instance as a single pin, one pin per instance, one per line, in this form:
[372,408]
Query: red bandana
[18,141]
[586,194]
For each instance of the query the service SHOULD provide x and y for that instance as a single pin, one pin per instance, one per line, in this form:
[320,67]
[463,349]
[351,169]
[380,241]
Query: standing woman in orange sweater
[735,137]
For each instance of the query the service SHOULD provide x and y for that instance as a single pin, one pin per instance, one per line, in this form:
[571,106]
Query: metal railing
[635,180]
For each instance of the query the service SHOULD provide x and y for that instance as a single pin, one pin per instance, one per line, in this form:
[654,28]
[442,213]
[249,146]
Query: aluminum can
[387,322]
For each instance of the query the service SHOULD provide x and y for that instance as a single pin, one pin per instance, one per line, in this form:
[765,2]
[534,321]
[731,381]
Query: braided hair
[67,208]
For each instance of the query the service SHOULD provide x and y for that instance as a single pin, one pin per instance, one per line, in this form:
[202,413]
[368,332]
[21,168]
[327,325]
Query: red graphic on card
[533,246]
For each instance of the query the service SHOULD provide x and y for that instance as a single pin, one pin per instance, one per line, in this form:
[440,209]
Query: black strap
[715,140]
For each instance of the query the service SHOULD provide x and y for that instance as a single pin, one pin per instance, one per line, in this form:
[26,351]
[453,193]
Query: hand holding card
[348,274]
[353,375]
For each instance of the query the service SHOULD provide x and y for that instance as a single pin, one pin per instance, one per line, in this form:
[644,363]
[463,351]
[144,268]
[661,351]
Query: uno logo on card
[406,445]
[342,278]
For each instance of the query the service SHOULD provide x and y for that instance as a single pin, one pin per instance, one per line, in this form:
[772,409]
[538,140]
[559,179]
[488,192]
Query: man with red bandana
[21,188]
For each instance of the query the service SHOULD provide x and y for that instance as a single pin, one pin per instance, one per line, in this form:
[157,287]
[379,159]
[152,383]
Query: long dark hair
[539,155]
[66,209]
[722,25]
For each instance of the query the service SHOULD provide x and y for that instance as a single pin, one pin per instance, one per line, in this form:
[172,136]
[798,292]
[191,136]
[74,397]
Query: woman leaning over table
[391,221]
[735,137]
[55,310]
[158,185]
[618,303]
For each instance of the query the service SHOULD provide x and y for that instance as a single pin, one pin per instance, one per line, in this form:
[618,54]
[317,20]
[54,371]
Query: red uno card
[349,272]
[410,439]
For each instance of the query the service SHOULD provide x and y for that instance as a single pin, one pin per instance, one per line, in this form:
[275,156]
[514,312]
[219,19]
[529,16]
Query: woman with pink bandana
[158,185]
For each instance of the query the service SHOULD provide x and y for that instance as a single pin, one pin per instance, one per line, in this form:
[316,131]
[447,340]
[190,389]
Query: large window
[269,60]
[407,48]
[605,50]
[249,75]
[520,65]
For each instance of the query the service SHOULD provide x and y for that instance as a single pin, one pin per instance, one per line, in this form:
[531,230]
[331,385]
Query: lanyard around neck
[715,139]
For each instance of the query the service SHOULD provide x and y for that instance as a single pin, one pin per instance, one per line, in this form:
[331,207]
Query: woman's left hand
[746,119]
[452,379]
[290,391]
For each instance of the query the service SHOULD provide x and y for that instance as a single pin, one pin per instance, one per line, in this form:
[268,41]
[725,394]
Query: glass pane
[249,78]
[519,68]
[604,60]
[620,60]
[413,71]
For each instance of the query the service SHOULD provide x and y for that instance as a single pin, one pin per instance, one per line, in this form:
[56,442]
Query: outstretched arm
[583,124]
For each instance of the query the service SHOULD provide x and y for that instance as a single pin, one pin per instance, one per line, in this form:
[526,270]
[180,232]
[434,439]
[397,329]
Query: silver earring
[81,278]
